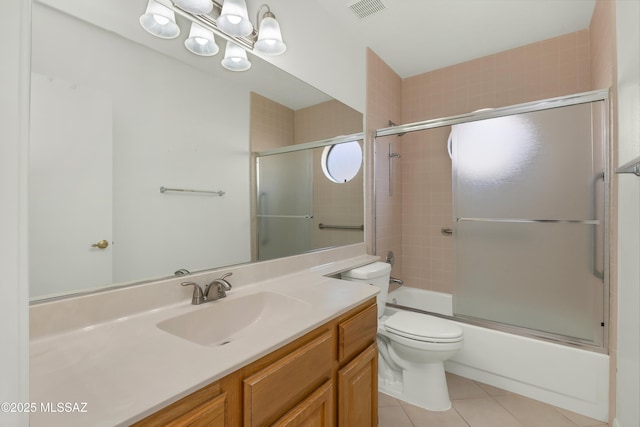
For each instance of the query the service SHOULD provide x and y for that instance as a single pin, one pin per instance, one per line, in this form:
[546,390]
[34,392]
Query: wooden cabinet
[205,407]
[325,378]
[357,333]
[275,389]
[314,411]
[209,414]
[358,390]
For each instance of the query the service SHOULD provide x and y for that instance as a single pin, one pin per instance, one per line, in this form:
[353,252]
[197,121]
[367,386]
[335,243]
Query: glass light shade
[269,37]
[160,21]
[235,58]
[201,41]
[233,18]
[200,7]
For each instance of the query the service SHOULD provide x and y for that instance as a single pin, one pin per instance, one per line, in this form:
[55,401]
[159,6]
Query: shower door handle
[598,178]
[262,228]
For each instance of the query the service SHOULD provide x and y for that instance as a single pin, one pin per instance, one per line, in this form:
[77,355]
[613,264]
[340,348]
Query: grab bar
[285,216]
[392,156]
[630,167]
[341,227]
[185,190]
[542,221]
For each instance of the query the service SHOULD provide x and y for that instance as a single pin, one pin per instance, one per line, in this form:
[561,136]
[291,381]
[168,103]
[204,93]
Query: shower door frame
[546,104]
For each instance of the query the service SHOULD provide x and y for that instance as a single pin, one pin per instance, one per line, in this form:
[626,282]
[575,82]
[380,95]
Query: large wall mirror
[117,114]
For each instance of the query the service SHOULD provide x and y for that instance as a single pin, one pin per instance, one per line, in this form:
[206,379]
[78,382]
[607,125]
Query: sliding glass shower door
[285,204]
[529,203]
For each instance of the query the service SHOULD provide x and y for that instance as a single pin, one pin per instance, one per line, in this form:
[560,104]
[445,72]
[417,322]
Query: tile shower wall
[384,103]
[546,69]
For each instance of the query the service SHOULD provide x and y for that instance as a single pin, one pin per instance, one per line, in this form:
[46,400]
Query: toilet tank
[376,274]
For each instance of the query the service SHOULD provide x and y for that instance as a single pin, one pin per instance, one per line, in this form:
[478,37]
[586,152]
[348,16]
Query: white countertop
[127,368]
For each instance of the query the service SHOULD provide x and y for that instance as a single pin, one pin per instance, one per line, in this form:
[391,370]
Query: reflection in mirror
[342,162]
[300,209]
[116,115]
[292,195]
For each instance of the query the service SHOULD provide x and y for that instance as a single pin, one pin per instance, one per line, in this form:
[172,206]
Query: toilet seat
[422,327]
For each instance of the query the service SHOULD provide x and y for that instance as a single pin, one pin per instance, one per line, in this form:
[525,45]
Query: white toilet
[412,346]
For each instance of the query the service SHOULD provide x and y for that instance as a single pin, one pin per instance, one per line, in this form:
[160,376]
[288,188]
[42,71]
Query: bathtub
[566,377]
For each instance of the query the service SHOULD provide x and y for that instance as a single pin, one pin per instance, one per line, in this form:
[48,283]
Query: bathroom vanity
[327,373]
[288,345]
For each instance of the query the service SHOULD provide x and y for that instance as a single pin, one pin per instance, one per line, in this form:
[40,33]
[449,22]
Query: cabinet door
[314,411]
[209,414]
[358,390]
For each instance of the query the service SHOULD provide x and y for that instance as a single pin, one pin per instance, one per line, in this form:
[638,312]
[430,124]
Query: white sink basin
[227,320]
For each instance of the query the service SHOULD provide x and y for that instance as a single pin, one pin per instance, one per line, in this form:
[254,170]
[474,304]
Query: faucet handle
[224,276]
[198,295]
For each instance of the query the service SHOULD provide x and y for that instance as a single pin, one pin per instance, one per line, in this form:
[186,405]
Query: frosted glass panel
[285,204]
[528,223]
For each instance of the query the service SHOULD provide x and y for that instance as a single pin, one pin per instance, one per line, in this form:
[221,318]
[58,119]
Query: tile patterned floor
[479,405]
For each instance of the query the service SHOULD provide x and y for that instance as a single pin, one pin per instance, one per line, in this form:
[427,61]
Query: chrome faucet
[221,285]
[201,296]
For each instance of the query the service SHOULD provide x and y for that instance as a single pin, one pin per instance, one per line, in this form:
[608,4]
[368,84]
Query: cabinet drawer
[274,390]
[209,414]
[209,402]
[357,333]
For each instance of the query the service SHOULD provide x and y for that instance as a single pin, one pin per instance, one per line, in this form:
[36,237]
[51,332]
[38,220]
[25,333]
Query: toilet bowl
[412,346]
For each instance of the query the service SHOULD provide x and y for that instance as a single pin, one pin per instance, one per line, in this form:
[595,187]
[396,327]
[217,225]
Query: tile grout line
[460,415]
[522,422]
[406,414]
[507,409]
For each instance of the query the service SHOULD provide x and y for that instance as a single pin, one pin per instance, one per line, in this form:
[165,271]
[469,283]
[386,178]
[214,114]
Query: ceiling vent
[365,8]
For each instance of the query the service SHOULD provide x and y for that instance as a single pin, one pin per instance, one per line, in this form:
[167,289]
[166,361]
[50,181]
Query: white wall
[14,321]
[173,126]
[319,53]
[628,351]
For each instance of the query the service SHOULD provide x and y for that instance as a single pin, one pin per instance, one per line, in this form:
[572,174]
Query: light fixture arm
[268,13]
[208,22]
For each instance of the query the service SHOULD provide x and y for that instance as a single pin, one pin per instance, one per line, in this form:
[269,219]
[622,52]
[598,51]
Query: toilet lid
[423,327]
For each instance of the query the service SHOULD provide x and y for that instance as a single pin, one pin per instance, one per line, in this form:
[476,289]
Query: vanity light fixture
[160,21]
[234,18]
[201,41]
[228,19]
[200,7]
[235,58]
[269,36]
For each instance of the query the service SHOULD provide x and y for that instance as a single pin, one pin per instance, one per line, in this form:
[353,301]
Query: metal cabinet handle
[102,244]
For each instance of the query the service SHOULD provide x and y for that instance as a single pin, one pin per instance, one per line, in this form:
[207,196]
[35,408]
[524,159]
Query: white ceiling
[416,36]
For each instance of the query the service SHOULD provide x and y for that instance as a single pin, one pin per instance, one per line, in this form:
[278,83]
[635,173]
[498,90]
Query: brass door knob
[102,244]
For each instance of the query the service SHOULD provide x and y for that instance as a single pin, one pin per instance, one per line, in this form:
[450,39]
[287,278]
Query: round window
[341,162]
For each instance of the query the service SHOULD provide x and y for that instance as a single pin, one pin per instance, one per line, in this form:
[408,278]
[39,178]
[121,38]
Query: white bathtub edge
[572,379]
